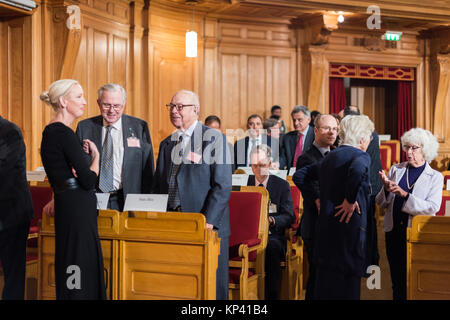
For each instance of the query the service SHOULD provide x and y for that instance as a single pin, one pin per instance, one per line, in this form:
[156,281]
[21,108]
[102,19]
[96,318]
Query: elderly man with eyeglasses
[125,146]
[192,169]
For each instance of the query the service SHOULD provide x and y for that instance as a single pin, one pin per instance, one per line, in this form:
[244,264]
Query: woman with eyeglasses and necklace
[410,188]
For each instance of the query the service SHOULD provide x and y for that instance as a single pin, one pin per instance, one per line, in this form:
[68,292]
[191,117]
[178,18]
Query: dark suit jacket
[138,164]
[375,163]
[205,186]
[280,195]
[343,174]
[290,143]
[310,193]
[240,150]
[15,198]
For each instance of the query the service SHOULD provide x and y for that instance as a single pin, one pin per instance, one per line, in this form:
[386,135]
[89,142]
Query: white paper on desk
[279,173]
[239,179]
[102,201]
[36,175]
[447,208]
[448,184]
[292,171]
[146,202]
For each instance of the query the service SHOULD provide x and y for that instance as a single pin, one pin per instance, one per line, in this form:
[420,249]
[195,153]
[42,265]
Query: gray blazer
[138,163]
[204,185]
[425,198]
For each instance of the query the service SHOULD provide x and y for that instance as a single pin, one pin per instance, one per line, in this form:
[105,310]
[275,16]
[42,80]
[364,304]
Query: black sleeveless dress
[79,271]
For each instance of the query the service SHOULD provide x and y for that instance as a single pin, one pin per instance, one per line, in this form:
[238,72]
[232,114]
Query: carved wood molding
[318,65]
[441,96]
[347,70]
[74,26]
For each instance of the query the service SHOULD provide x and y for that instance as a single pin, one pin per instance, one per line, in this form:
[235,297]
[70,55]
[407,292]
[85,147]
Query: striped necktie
[106,179]
[174,196]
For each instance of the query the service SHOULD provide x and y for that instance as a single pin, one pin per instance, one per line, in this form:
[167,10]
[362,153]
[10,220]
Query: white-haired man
[344,182]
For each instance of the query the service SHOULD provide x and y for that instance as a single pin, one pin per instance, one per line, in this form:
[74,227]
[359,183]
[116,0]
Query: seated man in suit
[192,169]
[125,146]
[255,137]
[281,215]
[326,130]
[16,210]
[298,141]
[339,252]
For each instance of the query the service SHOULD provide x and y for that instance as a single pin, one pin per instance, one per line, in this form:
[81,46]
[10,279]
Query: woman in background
[78,254]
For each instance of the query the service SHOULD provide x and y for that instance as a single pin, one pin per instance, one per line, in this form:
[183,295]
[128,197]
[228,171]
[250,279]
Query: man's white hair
[355,128]
[194,97]
[424,139]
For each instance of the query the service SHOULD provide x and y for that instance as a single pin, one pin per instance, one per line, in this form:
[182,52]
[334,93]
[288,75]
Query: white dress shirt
[117,138]
[251,144]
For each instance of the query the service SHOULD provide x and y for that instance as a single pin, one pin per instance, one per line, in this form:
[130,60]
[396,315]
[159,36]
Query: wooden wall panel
[233,114]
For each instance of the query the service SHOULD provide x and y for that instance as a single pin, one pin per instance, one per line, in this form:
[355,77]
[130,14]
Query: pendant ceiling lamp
[191,35]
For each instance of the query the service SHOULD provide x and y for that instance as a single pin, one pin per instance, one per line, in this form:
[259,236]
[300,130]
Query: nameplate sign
[279,173]
[239,179]
[102,201]
[447,208]
[292,171]
[448,184]
[35,175]
[146,202]
[248,170]
[384,137]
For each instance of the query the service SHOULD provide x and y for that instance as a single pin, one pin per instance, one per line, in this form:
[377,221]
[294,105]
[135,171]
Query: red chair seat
[234,275]
[40,197]
[31,257]
[441,211]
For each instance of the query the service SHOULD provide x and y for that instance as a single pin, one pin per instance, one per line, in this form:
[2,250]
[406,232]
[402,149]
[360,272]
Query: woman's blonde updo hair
[57,89]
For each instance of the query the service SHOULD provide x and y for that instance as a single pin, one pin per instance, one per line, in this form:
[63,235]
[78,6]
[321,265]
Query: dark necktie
[326,152]
[174,195]
[106,179]
[260,185]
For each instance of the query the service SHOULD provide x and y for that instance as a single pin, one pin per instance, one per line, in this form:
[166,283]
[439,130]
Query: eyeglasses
[327,129]
[179,107]
[108,106]
[413,148]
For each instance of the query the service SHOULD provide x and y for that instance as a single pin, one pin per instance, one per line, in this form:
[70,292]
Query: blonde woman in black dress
[78,254]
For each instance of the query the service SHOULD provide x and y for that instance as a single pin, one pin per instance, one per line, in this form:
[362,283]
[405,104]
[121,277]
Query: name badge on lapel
[272,208]
[133,142]
[194,157]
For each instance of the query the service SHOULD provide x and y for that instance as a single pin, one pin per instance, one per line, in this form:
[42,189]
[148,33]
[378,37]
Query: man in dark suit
[255,137]
[125,146]
[16,210]
[372,255]
[194,169]
[298,141]
[326,129]
[281,215]
[344,182]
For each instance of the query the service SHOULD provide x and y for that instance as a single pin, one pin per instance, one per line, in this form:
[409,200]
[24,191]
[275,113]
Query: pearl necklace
[407,180]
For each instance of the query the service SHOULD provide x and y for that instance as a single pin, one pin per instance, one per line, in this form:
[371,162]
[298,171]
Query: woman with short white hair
[410,188]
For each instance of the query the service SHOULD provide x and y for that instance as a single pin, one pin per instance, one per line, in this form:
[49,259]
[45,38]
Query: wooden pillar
[441,96]
[135,89]
[318,68]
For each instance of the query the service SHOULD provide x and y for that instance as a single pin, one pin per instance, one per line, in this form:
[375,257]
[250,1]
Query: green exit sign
[392,36]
